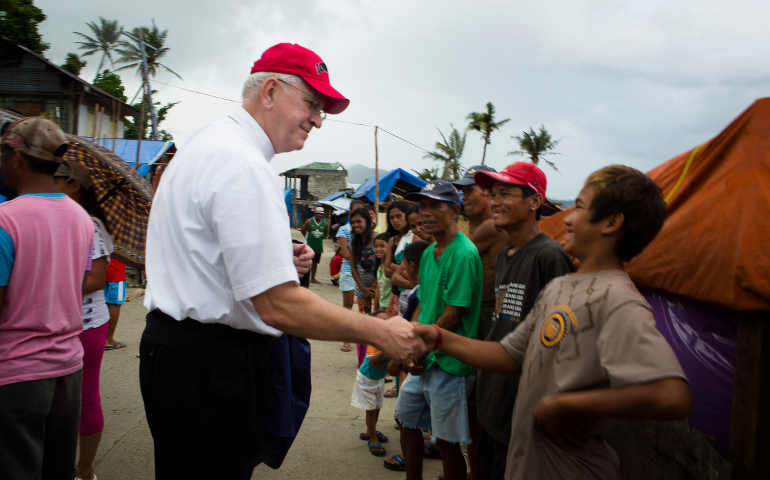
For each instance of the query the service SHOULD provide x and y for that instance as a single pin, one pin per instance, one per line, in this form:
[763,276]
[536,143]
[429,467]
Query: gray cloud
[632,84]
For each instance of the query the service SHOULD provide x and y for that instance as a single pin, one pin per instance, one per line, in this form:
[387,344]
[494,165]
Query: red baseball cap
[519,173]
[295,59]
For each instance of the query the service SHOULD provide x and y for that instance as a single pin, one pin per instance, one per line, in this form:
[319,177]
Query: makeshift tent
[339,202]
[396,181]
[711,251]
[149,152]
[712,247]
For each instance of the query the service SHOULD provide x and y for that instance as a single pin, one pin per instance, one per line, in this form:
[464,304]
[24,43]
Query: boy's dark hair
[413,251]
[622,189]
[382,236]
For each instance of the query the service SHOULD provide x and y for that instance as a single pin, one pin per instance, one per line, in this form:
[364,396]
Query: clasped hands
[408,342]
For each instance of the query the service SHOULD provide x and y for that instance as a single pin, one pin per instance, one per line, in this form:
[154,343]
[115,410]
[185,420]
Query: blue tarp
[387,183]
[150,152]
[334,196]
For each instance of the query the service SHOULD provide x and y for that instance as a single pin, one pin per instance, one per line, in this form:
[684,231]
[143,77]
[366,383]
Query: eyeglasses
[315,106]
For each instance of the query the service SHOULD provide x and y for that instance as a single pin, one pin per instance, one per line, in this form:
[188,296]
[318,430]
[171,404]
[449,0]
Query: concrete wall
[87,122]
[324,184]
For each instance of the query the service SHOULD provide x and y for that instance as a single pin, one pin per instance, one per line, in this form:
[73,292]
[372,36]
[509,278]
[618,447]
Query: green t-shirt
[315,234]
[454,279]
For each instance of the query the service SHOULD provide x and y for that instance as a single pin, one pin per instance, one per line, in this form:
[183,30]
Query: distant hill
[358,173]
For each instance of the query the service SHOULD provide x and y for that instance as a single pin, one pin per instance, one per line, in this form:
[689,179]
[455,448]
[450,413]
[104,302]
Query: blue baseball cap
[470,174]
[440,190]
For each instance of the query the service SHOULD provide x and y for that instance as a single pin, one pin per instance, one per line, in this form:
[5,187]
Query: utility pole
[147,94]
[376,174]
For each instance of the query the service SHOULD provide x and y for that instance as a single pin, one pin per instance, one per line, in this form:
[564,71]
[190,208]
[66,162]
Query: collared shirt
[219,232]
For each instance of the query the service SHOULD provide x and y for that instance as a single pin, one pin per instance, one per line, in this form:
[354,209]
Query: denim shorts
[347,283]
[435,400]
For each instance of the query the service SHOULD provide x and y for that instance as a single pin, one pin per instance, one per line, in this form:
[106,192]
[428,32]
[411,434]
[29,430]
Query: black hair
[413,251]
[405,207]
[526,192]
[625,190]
[360,240]
[41,167]
[382,236]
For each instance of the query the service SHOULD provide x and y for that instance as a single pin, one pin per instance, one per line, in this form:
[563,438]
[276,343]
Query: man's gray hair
[256,79]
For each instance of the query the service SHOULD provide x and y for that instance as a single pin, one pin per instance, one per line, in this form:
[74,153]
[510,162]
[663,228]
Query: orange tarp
[715,243]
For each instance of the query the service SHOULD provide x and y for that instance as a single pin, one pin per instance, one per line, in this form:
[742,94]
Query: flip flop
[377,450]
[395,463]
[346,348]
[380,436]
[115,346]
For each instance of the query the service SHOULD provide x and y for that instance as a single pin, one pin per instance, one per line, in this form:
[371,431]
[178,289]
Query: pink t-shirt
[40,318]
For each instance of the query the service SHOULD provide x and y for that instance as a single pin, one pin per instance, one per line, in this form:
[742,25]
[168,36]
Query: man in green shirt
[315,230]
[450,279]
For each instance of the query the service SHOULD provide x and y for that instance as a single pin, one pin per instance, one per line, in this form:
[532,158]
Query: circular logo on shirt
[559,319]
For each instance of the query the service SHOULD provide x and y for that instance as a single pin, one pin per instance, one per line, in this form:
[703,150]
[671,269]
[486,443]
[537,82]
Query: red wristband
[438,340]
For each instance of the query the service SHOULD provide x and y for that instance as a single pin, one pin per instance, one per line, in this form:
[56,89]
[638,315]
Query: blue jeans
[435,400]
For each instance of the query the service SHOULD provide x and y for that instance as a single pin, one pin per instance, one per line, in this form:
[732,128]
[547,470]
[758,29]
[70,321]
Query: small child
[588,348]
[335,267]
[382,288]
[368,393]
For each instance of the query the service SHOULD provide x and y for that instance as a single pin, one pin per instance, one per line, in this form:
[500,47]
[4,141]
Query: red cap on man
[294,59]
[520,173]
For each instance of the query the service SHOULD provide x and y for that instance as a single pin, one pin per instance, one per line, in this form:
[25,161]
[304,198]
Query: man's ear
[613,223]
[535,201]
[267,92]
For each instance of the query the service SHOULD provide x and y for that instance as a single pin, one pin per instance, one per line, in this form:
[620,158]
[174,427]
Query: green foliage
[19,20]
[449,151]
[106,35]
[536,145]
[427,174]
[111,83]
[131,51]
[73,64]
[131,129]
[484,122]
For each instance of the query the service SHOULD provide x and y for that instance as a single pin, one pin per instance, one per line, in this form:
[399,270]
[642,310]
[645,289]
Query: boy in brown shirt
[589,348]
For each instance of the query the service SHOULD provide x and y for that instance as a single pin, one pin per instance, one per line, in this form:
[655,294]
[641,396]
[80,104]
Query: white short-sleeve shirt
[219,231]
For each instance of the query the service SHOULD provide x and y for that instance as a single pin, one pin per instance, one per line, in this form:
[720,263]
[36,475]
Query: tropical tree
[536,145]
[19,20]
[131,127]
[73,64]
[143,52]
[448,151]
[427,174]
[111,83]
[484,123]
[105,39]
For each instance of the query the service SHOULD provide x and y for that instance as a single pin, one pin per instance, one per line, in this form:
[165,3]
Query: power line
[360,124]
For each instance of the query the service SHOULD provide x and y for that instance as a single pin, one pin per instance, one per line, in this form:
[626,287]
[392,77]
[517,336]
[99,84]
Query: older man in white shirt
[222,277]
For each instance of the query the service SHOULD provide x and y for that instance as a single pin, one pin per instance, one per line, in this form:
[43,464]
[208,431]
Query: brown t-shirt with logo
[586,331]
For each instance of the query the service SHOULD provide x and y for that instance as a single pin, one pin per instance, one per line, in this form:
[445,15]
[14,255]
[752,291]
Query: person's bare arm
[388,264]
[298,311]
[451,317]
[96,278]
[345,250]
[354,271]
[477,353]
[304,227]
[401,279]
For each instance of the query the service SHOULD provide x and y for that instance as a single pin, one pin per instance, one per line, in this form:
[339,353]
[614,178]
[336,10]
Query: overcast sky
[633,85]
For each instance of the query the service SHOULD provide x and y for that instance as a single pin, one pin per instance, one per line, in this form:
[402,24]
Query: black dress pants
[204,388]
[39,428]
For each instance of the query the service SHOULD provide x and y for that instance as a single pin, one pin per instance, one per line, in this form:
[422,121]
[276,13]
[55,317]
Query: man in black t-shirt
[523,268]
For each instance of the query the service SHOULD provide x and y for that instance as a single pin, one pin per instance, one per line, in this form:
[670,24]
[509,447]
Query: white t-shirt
[95,312]
[219,231]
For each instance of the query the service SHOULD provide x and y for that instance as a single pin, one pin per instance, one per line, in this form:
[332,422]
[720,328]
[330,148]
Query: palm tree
[143,52]
[105,38]
[449,152]
[154,41]
[427,174]
[484,122]
[73,64]
[536,145]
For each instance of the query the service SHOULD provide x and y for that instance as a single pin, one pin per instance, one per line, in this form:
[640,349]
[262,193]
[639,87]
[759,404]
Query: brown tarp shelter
[715,243]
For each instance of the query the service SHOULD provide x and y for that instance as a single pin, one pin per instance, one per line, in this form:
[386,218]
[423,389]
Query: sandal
[346,348]
[115,346]
[391,393]
[376,449]
[395,463]
[380,436]
[431,451]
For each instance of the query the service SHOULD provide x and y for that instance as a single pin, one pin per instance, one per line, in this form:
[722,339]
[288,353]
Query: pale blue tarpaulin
[150,152]
[397,181]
